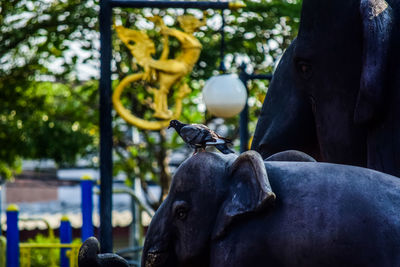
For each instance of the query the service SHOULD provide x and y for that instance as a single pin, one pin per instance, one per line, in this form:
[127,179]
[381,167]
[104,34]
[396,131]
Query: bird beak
[169,127]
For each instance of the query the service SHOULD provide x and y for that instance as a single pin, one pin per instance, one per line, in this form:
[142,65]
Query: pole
[134,228]
[65,238]
[12,236]
[244,129]
[222,68]
[87,207]
[134,236]
[244,115]
[105,128]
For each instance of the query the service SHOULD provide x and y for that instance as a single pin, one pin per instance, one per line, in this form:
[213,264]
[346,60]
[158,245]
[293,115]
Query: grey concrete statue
[241,211]
[225,210]
[335,94]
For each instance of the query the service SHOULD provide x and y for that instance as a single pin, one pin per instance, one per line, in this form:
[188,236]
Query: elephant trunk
[157,250]
[89,256]
[286,121]
[88,253]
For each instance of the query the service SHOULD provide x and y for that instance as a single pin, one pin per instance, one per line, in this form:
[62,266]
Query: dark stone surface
[336,91]
[221,212]
[89,256]
[291,155]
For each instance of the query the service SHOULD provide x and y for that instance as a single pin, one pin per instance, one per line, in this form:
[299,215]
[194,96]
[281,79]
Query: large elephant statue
[335,94]
[228,210]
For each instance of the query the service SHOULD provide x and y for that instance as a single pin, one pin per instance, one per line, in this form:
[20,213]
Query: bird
[198,136]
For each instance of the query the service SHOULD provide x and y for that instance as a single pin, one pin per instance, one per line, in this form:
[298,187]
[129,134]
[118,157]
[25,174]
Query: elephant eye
[180,209]
[181,213]
[304,68]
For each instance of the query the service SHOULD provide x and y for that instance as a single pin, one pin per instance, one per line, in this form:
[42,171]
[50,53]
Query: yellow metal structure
[25,250]
[3,243]
[236,5]
[160,74]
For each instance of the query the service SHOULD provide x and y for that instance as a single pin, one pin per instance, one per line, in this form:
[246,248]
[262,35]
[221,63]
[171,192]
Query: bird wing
[216,142]
[226,140]
[196,134]
[214,135]
[216,138]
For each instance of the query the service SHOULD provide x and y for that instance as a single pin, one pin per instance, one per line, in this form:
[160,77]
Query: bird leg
[199,149]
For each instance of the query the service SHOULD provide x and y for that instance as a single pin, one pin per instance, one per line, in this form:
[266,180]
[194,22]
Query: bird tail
[224,149]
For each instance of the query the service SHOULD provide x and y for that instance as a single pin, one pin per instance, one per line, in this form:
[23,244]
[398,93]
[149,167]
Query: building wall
[30,191]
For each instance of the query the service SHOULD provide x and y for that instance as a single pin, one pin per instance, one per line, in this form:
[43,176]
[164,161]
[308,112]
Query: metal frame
[169,4]
[105,18]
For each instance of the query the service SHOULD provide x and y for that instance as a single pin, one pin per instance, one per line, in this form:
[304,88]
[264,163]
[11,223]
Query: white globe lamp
[224,95]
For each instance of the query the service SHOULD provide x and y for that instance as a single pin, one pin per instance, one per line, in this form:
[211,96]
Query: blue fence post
[12,236]
[87,207]
[65,238]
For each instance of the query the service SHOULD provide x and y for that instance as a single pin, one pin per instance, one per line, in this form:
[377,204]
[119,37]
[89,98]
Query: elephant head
[334,92]
[208,195]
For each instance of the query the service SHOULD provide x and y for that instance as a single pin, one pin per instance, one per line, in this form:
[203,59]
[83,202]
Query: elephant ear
[377,22]
[249,191]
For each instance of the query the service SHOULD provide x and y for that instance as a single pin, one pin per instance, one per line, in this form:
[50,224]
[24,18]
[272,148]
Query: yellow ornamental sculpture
[163,73]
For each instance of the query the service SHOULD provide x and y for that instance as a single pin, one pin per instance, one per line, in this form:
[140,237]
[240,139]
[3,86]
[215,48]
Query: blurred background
[49,102]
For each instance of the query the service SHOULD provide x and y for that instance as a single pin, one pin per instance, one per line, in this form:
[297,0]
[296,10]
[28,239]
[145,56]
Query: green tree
[49,110]
[45,119]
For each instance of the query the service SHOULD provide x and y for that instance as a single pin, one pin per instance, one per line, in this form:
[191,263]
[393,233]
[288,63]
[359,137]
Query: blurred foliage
[49,99]
[46,119]
[46,257]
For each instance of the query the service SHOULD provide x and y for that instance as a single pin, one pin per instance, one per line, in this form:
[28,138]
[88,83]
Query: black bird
[199,136]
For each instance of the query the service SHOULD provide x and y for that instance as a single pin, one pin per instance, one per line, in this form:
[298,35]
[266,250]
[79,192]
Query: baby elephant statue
[225,210]
[221,211]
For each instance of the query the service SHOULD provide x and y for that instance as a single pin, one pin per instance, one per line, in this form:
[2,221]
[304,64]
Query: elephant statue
[89,256]
[229,210]
[335,92]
